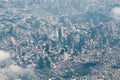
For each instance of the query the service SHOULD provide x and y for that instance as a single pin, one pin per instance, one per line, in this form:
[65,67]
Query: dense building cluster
[83,46]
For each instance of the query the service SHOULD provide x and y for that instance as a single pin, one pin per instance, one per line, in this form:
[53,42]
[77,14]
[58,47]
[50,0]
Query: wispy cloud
[4,55]
[11,71]
[116,13]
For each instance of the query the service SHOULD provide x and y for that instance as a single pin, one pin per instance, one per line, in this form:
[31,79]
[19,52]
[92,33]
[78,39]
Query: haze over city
[59,39]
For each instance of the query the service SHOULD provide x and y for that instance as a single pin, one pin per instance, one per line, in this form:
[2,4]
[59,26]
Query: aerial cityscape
[59,39]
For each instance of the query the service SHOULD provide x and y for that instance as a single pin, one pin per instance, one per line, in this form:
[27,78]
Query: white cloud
[4,55]
[14,72]
[5,59]
[116,13]
[3,77]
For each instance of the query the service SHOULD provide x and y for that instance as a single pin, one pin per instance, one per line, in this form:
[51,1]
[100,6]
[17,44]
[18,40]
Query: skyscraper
[60,35]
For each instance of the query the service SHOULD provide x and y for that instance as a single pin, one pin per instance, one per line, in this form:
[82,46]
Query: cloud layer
[10,71]
[4,56]
[116,13]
